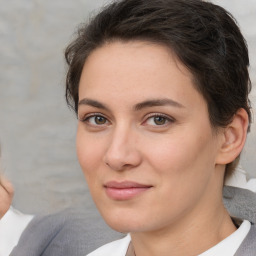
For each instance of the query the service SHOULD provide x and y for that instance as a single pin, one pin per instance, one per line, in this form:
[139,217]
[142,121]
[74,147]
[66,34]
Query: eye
[158,120]
[96,120]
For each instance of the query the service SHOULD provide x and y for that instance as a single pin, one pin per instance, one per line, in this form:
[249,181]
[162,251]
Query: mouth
[125,190]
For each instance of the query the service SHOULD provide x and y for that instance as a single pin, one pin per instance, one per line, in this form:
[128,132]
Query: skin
[6,195]
[170,146]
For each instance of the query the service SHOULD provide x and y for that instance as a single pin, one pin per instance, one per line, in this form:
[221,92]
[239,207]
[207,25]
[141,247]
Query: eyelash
[86,119]
[167,119]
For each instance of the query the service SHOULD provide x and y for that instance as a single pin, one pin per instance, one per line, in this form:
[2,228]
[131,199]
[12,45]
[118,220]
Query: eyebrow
[137,107]
[93,103]
[156,103]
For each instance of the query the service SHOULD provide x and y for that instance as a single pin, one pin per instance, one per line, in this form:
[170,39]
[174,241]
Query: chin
[123,222]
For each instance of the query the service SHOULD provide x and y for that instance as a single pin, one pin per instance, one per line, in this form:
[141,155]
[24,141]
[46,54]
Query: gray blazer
[67,233]
[78,232]
[241,203]
[248,247]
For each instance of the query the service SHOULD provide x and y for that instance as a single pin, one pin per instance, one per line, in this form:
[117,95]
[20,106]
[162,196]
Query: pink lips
[124,190]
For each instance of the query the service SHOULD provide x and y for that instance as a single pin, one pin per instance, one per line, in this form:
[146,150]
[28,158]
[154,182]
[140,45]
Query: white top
[230,245]
[227,247]
[116,248]
[238,179]
[11,227]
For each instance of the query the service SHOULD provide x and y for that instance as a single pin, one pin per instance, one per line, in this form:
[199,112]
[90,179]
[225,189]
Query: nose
[123,151]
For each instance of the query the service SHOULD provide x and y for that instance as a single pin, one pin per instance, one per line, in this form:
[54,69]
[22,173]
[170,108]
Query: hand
[6,195]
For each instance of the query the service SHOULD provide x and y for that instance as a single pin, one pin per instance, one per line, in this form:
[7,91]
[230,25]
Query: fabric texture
[230,244]
[12,225]
[240,203]
[115,248]
[238,178]
[248,247]
[66,233]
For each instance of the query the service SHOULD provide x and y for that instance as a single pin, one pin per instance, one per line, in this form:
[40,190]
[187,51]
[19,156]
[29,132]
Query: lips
[125,190]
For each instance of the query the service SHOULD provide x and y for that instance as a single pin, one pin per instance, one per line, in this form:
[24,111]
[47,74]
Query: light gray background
[37,130]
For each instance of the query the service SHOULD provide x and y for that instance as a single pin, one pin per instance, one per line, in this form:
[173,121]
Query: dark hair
[204,37]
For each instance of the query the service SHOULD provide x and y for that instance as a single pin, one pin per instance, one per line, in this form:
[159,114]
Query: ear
[233,138]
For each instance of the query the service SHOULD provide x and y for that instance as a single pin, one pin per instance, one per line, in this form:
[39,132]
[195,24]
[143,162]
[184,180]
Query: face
[144,139]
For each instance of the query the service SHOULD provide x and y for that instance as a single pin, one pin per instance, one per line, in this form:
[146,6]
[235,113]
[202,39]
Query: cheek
[89,153]
[169,153]
[183,167]
[182,156]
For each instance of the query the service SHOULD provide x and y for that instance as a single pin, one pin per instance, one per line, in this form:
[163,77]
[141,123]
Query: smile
[124,190]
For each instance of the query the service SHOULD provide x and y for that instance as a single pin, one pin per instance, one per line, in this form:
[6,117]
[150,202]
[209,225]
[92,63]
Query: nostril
[122,154]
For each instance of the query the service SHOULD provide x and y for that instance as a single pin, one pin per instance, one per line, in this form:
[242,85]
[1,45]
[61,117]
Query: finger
[5,200]
[7,185]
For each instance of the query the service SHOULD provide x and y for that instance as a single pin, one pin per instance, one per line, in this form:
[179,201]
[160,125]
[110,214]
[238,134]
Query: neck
[184,240]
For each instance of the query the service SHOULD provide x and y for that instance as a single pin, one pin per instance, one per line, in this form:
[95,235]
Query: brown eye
[100,120]
[159,120]
[96,120]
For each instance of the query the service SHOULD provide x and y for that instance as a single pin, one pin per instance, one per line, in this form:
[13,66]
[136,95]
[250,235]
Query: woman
[160,88]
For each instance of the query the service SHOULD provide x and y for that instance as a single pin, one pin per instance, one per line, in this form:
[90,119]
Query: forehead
[133,58]
[136,70]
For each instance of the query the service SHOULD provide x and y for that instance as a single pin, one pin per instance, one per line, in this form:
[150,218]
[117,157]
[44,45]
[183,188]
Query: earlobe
[234,137]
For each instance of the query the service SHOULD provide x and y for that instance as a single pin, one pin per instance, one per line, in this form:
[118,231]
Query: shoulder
[116,248]
[248,246]
[12,225]
[69,232]
[240,203]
